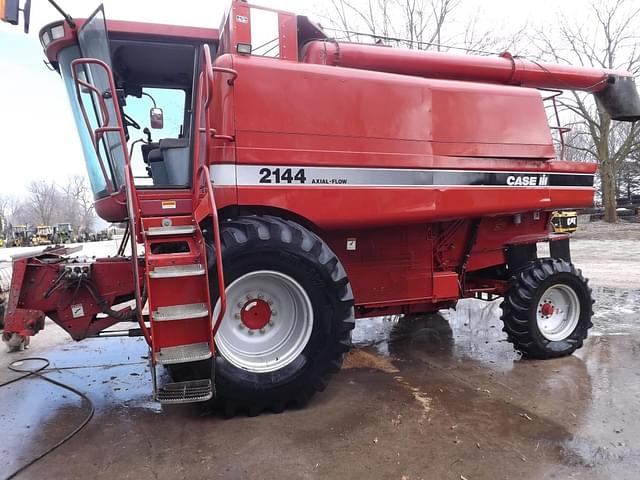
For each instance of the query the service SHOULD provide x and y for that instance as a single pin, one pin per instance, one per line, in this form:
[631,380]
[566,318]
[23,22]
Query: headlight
[53,32]
[57,32]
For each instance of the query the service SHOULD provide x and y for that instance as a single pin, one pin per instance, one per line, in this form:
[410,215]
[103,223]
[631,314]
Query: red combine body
[310,182]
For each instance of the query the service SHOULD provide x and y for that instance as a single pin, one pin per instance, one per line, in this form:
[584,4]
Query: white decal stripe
[223,175]
[315,176]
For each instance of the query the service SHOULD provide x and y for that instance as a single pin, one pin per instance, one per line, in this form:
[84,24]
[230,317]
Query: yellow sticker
[167,204]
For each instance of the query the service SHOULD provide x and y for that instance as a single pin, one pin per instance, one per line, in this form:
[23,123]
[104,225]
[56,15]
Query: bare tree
[425,19]
[21,213]
[351,16]
[628,181]
[8,205]
[43,201]
[412,23]
[46,204]
[578,143]
[612,43]
[497,39]
[78,210]
[419,24]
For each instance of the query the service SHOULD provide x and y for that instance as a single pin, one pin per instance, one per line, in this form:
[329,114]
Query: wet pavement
[440,396]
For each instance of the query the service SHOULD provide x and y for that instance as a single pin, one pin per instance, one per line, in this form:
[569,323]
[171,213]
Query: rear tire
[547,310]
[287,265]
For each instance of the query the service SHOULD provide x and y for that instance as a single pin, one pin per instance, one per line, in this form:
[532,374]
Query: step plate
[175,271]
[173,230]
[185,392]
[183,353]
[180,312]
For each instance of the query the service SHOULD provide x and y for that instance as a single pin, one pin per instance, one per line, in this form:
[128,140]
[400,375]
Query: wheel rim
[558,312]
[268,321]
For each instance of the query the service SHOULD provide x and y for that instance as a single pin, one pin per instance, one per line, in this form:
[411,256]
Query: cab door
[109,143]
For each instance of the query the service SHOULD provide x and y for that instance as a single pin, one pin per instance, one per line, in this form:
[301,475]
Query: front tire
[547,310]
[289,315]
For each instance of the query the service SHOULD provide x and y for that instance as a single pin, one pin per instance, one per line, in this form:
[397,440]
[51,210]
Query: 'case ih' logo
[527,181]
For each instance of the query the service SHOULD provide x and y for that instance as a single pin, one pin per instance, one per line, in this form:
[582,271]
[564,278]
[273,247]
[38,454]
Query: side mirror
[10,12]
[156,118]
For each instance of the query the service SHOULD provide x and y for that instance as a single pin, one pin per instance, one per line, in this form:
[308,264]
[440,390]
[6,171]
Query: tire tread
[278,233]
[519,300]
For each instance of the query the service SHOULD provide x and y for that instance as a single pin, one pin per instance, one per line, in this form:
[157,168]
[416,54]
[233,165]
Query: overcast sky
[37,132]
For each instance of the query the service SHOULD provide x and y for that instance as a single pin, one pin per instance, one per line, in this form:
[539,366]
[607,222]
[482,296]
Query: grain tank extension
[615,90]
[282,184]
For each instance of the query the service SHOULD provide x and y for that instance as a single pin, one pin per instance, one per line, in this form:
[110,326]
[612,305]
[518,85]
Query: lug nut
[274,313]
[241,326]
[250,332]
[262,330]
[239,304]
[260,296]
[271,323]
[270,302]
[237,316]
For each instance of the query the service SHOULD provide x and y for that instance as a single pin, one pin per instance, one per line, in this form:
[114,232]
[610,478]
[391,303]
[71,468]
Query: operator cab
[155,74]
[155,83]
[143,92]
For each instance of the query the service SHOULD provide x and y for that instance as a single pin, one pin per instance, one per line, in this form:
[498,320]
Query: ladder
[176,282]
[176,276]
[177,290]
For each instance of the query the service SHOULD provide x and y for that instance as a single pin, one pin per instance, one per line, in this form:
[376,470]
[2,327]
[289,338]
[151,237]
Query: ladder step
[180,312]
[173,230]
[185,392]
[184,353]
[175,271]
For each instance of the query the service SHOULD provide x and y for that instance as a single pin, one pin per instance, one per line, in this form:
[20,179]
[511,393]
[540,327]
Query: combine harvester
[312,182]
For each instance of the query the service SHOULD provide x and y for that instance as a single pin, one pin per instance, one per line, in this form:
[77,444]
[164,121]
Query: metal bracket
[560,249]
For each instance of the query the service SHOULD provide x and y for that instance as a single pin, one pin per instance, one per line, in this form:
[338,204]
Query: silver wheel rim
[558,312]
[275,344]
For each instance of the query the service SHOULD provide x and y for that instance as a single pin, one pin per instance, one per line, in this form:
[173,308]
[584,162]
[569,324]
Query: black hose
[124,241]
[28,373]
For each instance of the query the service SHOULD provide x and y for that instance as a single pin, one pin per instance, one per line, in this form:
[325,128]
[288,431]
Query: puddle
[474,328]
[451,370]
[374,332]
[616,311]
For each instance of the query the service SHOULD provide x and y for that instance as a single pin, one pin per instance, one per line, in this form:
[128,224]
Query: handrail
[202,173]
[561,130]
[234,74]
[209,70]
[132,200]
[230,71]
[105,119]
[217,244]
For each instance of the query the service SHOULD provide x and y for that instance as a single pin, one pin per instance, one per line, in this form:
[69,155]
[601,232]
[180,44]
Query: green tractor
[63,233]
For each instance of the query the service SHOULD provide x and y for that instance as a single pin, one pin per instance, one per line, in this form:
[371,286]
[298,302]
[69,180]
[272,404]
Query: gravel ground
[625,229]
[608,254]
